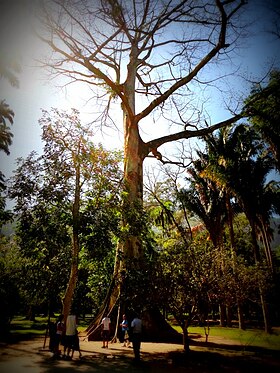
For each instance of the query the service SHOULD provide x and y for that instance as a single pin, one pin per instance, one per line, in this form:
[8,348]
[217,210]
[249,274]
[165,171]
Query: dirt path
[218,355]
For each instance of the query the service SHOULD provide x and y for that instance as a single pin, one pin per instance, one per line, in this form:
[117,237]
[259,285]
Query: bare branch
[152,145]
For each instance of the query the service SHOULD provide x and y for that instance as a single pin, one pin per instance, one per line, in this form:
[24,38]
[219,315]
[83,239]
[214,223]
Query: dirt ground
[218,355]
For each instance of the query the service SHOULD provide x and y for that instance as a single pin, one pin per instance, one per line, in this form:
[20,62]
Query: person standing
[76,345]
[124,332]
[106,322]
[59,335]
[70,335]
[136,326]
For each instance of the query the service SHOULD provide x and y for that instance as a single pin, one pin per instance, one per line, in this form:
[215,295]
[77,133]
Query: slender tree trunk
[186,341]
[68,297]
[266,243]
[31,313]
[222,306]
[267,326]
[241,320]
[264,305]
[222,309]
[229,316]
[241,323]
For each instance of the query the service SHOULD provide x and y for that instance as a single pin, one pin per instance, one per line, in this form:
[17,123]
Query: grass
[249,337]
[22,327]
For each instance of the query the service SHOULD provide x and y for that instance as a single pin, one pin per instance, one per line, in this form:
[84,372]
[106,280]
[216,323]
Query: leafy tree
[237,164]
[9,297]
[208,201]
[122,50]
[9,292]
[51,195]
[265,113]
[70,152]
[250,191]
[41,233]
[5,134]
[243,156]
[205,199]
[7,71]
[183,281]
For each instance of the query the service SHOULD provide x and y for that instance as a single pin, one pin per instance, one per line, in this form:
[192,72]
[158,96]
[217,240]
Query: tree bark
[222,309]
[186,341]
[68,297]
[241,322]
[264,305]
[135,151]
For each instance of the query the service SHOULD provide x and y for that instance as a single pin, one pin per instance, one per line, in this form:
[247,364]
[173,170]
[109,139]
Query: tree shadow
[217,357]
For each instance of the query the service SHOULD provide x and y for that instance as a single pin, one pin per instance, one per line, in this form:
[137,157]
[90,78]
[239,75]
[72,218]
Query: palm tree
[217,171]
[264,107]
[8,70]
[5,135]
[6,114]
[207,201]
[241,168]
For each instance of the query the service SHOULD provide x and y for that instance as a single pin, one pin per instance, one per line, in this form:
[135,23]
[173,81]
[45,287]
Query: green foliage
[8,70]
[41,233]
[9,293]
[194,277]
[264,109]
[43,190]
[186,279]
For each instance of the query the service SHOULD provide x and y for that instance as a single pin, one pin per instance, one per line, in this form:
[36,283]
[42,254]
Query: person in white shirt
[71,338]
[136,326]
[70,335]
[106,322]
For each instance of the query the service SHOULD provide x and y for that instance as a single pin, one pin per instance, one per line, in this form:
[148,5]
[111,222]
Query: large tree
[152,58]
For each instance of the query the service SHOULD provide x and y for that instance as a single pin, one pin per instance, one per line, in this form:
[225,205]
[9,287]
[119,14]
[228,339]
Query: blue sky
[34,93]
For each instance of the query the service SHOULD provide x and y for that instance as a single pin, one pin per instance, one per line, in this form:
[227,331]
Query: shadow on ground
[30,357]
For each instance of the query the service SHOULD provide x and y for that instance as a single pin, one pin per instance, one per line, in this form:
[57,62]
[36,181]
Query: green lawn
[23,327]
[249,337]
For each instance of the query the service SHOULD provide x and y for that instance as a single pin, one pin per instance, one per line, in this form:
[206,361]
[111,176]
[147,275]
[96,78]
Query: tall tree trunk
[266,242]
[131,247]
[264,305]
[222,311]
[240,314]
[68,297]
[241,322]
[267,326]
[186,342]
